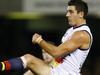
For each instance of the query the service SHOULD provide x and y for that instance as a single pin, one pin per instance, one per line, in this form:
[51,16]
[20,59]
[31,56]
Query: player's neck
[80,23]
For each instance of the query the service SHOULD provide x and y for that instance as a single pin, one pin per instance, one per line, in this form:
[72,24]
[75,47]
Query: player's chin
[71,24]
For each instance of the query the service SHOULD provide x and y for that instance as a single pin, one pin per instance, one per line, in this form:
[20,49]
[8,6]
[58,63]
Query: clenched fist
[36,38]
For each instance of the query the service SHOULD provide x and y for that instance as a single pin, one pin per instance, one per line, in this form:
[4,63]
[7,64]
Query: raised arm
[79,39]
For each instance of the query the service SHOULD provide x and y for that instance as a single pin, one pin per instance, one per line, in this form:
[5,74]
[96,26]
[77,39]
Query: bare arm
[79,39]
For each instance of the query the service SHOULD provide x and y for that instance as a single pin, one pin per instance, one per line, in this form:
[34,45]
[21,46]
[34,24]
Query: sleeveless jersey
[73,61]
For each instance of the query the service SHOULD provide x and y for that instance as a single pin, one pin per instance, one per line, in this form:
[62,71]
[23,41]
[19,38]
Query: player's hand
[36,38]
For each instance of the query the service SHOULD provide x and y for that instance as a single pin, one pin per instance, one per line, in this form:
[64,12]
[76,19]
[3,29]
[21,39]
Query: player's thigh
[28,72]
[37,65]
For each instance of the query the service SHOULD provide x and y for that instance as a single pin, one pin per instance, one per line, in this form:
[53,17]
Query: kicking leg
[37,65]
[28,72]
[12,64]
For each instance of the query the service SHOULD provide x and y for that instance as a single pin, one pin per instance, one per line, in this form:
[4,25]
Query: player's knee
[28,57]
